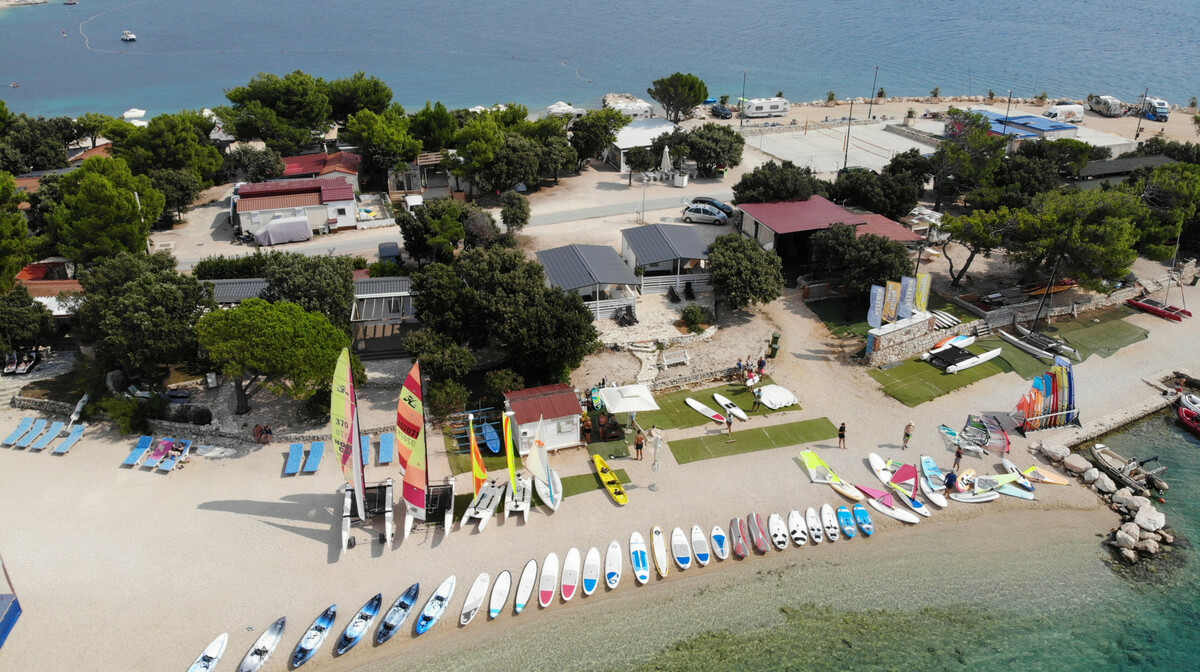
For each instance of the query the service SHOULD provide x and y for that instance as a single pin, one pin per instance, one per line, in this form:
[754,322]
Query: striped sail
[508,451]
[410,427]
[343,412]
[478,470]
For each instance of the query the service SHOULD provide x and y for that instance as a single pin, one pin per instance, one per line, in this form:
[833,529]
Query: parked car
[704,214]
[722,112]
[709,200]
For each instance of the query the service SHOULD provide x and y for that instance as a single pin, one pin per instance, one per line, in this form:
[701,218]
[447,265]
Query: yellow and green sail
[343,412]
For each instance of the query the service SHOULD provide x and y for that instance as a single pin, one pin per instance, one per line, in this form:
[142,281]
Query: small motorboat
[1190,418]
[1191,402]
[1129,472]
[128,36]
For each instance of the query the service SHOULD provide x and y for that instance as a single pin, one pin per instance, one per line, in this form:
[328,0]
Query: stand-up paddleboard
[758,532]
[314,637]
[544,490]
[1012,469]
[730,407]
[475,597]
[700,546]
[737,537]
[945,344]
[705,410]
[591,571]
[548,584]
[525,586]
[974,498]
[1043,475]
[846,522]
[974,361]
[1012,490]
[829,522]
[778,531]
[863,518]
[499,594]
[211,655]
[879,468]
[399,612]
[570,575]
[436,606]
[883,502]
[796,528]
[639,558]
[263,647]
[612,565]
[933,483]
[720,543]
[966,480]
[680,549]
[658,551]
[944,318]
[359,625]
[814,526]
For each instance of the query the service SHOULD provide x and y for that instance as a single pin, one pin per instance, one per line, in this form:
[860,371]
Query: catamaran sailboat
[520,490]
[487,493]
[545,480]
[359,500]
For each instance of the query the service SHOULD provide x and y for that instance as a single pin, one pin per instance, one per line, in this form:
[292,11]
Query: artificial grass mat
[674,413]
[847,316]
[572,485]
[751,440]
[915,382]
[460,460]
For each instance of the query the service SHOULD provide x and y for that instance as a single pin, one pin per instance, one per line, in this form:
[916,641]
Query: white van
[1071,113]
[1156,109]
[765,107]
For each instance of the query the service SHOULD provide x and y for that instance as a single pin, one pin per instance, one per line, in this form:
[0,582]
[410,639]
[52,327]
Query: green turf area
[1026,365]
[938,302]
[460,462]
[574,485]
[915,382]
[674,413]
[752,440]
[1104,338]
[845,317]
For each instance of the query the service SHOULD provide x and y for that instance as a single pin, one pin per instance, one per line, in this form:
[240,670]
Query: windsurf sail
[509,449]
[819,471]
[991,482]
[410,426]
[536,461]
[343,412]
[884,497]
[905,479]
[478,470]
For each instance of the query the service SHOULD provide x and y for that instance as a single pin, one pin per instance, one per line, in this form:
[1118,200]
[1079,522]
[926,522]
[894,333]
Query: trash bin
[774,350]
[775,338]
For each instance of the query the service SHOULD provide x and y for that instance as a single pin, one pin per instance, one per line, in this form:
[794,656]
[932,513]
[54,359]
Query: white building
[639,133]
[325,204]
[558,408]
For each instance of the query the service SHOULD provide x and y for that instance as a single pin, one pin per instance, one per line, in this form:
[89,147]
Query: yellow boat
[610,480]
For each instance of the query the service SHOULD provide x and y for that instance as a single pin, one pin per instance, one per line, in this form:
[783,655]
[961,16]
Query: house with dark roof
[308,166]
[556,407]
[1097,174]
[281,211]
[786,226]
[669,255]
[595,272]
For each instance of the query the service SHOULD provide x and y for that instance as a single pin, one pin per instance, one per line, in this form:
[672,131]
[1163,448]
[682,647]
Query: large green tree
[558,156]
[435,127]
[1172,194]
[382,138]
[251,164]
[966,158]
[514,211]
[138,312]
[743,272]
[777,182]
[105,210]
[478,142]
[286,113]
[517,160]
[23,321]
[981,233]
[1014,183]
[356,93]
[91,125]
[35,143]
[441,357]
[860,261]
[279,346]
[322,285]
[639,160]
[596,130]
[15,245]
[678,94]
[172,142]
[890,194]
[713,145]
[180,188]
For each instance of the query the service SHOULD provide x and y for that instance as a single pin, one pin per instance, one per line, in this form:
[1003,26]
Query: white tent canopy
[628,399]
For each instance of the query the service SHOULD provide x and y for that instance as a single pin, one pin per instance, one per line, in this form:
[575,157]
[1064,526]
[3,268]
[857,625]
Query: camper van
[765,107]
[1108,106]
[1071,113]
[1156,109]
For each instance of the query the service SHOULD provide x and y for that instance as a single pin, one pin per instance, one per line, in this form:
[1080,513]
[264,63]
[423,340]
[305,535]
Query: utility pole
[871,104]
[1141,114]
[846,158]
[742,102]
[1006,111]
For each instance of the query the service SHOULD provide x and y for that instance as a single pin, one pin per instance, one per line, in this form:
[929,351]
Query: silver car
[704,214]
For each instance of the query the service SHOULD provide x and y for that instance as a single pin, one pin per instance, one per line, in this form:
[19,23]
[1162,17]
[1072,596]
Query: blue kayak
[314,637]
[360,624]
[490,437]
[398,613]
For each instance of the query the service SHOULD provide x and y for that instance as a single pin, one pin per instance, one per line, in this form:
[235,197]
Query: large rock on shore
[1137,503]
[1123,540]
[1131,529]
[1121,497]
[1054,452]
[1129,555]
[1147,536]
[1105,484]
[1076,463]
[1150,519]
[1090,475]
[1148,546]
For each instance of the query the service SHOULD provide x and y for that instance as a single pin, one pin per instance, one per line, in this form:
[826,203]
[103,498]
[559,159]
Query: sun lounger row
[295,458]
[164,456]
[29,434]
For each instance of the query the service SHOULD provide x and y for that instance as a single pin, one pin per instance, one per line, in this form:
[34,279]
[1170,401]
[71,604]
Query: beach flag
[908,291]
[478,470]
[891,302]
[921,301]
[875,312]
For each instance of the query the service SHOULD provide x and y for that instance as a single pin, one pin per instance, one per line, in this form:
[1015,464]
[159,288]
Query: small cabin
[558,409]
[669,255]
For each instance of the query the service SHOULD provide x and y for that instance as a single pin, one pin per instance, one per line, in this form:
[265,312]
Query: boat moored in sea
[128,36]
[1129,472]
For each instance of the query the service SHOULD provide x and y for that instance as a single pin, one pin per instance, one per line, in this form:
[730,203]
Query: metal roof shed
[668,254]
[595,272]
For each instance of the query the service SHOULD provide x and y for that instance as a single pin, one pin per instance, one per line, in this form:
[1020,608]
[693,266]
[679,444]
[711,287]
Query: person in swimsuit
[842,436]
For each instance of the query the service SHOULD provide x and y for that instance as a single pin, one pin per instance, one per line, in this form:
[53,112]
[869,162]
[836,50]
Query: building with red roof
[786,226]
[558,409]
[338,164]
[283,211]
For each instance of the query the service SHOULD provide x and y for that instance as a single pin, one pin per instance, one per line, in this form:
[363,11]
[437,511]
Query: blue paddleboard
[863,518]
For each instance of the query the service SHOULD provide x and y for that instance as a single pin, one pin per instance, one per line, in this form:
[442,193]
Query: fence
[658,284]
[608,309]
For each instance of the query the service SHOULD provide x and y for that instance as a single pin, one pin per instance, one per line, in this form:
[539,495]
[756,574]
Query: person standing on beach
[740,368]
[842,436]
[762,365]
[729,428]
[908,432]
[957,457]
[639,442]
[757,399]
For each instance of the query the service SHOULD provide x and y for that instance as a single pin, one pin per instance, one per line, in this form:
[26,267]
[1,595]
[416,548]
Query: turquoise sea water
[537,51]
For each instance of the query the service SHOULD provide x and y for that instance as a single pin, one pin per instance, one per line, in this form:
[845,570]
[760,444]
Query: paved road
[616,209]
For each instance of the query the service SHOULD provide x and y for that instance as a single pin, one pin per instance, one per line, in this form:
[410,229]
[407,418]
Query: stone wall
[664,384]
[910,342]
[43,405]
[914,135]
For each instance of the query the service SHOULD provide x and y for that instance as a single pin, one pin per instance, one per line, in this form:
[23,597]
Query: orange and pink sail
[343,412]
[478,470]
[410,428]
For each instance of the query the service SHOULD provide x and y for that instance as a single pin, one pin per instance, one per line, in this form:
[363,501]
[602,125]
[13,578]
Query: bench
[681,357]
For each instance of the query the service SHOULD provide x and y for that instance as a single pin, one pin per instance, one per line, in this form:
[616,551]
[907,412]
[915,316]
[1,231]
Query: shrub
[936,92]
[694,316]
[386,269]
[831,97]
[201,415]
[129,415]
[358,262]
[316,407]
[447,397]
[496,383]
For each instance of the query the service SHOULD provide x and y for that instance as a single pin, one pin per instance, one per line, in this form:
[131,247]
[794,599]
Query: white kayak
[778,531]
[612,565]
[829,521]
[700,546]
[499,594]
[796,528]
[263,647]
[525,586]
[974,497]
[211,655]
[730,407]
[815,532]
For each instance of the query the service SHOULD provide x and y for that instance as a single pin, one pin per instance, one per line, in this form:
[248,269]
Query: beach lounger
[26,423]
[72,439]
[366,449]
[50,435]
[314,457]
[169,463]
[24,441]
[164,447]
[295,455]
[139,451]
[387,447]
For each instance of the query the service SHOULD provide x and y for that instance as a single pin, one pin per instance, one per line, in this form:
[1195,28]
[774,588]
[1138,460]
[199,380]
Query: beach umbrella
[666,162]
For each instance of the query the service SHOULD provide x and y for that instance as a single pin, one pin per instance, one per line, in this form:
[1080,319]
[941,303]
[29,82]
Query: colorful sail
[819,471]
[478,470]
[536,461]
[343,412]
[509,449]
[905,480]
[884,497]
[410,427]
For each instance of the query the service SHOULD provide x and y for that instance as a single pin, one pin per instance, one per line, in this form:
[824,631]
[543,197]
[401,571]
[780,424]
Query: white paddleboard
[658,545]
[796,528]
[680,549]
[974,361]
[570,574]
[829,521]
[815,532]
[475,598]
[778,531]
[548,584]
[1012,469]
[974,497]
[879,468]
[639,557]
[700,546]
[720,542]
[591,571]
[525,586]
[892,512]
[499,594]
[612,565]
[730,407]
[704,410]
